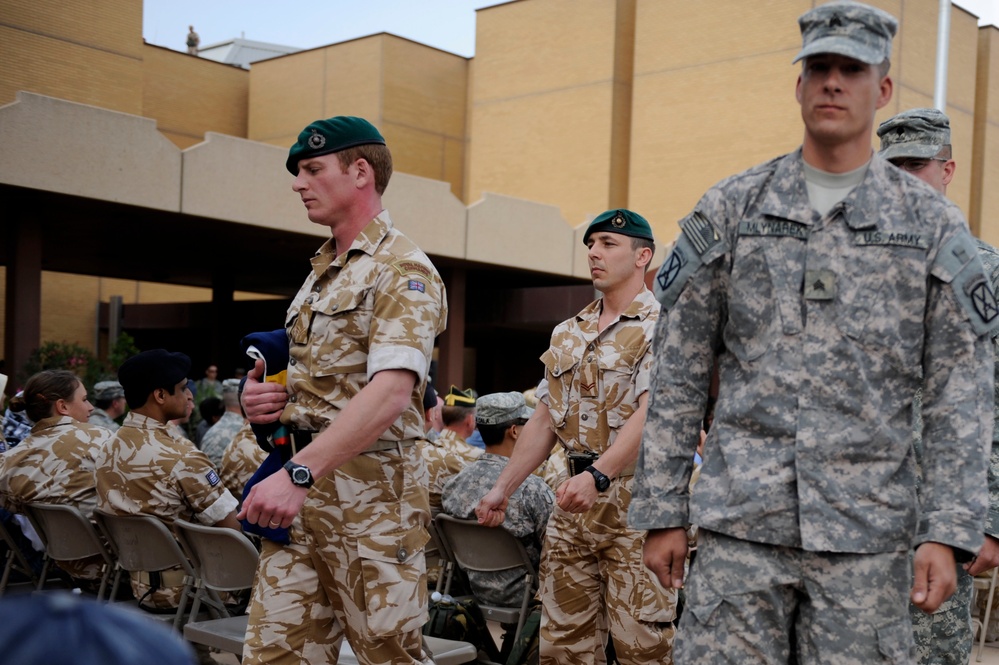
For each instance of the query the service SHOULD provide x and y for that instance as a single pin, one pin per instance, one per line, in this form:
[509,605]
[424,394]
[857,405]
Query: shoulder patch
[675,271]
[212,478]
[700,232]
[410,267]
[417,285]
[958,264]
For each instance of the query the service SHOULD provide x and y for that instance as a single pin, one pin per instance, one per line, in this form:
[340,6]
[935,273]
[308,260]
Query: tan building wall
[414,94]
[547,104]
[720,98]
[987,127]
[87,52]
[189,96]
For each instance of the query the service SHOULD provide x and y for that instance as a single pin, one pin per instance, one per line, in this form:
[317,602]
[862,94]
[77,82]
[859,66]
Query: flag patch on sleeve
[417,285]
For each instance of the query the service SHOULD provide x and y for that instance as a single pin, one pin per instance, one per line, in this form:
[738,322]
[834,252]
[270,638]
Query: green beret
[916,133]
[622,221]
[333,135]
[847,28]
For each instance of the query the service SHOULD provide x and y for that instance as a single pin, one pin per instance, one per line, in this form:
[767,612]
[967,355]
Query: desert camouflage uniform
[219,435]
[445,456]
[946,637]
[823,328]
[241,459]
[144,470]
[101,418]
[355,568]
[526,517]
[55,464]
[554,470]
[593,561]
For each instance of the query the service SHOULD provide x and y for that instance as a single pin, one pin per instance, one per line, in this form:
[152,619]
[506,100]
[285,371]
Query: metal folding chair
[144,543]
[988,585]
[475,547]
[15,560]
[68,536]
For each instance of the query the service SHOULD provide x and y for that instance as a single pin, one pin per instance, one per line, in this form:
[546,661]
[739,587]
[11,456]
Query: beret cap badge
[618,221]
[317,140]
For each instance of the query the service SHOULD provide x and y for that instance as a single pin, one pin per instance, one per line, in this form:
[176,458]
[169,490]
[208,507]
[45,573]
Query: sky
[445,24]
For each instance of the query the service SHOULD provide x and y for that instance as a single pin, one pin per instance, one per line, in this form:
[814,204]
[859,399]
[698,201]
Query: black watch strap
[599,479]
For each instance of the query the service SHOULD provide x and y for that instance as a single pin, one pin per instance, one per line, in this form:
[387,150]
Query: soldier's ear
[61,407]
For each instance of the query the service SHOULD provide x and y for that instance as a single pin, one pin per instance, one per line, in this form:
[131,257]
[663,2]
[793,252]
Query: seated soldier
[145,469]
[500,418]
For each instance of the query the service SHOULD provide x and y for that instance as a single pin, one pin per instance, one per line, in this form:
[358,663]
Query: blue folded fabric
[272,464]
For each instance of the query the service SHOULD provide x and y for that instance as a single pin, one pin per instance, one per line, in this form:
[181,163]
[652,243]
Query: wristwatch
[602,482]
[300,475]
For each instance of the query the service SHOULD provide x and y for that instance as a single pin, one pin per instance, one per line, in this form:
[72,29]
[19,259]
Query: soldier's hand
[491,510]
[935,577]
[664,553]
[262,402]
[578,494]
[273,502]
[987,559]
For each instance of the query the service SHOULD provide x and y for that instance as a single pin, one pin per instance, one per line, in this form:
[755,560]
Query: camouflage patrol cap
[108,390]
[847,28]
[499,408]
[230,386]
[332,135]
[622,221]
[141,374]
[919,133]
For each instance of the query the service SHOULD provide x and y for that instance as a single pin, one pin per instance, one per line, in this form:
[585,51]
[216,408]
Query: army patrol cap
[108,390]
[622,221]
[429,397]
[333,135]
[847,28]
[141,374]
[230,386]
[499,408]
[919,133]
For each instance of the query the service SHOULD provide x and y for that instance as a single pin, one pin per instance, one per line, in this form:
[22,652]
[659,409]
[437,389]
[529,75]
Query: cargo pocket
[559,366]
[340,327]
[895,642]
[703,612]
[394,575]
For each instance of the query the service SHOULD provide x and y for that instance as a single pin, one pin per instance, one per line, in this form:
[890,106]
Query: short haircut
[455,414]
[375,154]
[492,435]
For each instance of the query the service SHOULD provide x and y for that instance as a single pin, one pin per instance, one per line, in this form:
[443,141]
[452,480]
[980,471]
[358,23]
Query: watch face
[301,475]
[603,483]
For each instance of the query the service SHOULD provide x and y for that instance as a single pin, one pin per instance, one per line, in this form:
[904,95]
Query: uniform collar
[787,197]
[640,308]
[50,422]
[367,241]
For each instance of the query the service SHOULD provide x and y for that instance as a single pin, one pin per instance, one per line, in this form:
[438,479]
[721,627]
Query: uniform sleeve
[690,288]
[958,398]
[409,310]
[202,488]
[992,518]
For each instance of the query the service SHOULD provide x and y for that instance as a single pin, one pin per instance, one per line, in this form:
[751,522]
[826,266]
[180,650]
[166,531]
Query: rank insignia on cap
[618,221]
[212,477]
[985,302]
[417,285]
[317,140]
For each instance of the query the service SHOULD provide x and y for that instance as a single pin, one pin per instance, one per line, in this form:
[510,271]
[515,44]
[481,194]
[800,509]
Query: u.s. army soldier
[918,141]
[828,286]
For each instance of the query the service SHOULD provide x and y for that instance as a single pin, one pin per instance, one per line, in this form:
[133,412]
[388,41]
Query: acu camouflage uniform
[100,418]
[445,456]
[220,435]
[144,470]
[823,328]
[526,517]
[592,564]
[355,565]
[241,459]
[55,464]
[946,637]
